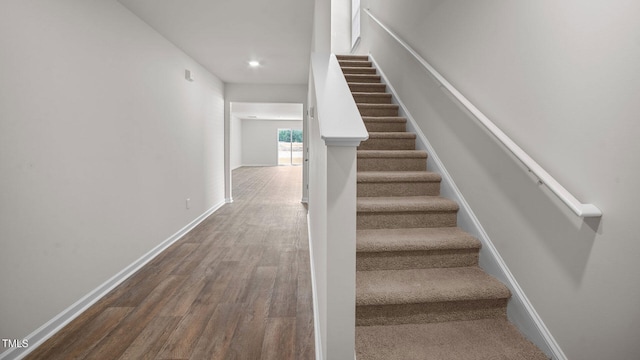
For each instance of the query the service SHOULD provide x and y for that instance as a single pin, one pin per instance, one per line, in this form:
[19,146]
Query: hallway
[236,287]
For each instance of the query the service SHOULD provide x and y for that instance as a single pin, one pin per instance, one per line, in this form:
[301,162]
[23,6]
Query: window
[289,147]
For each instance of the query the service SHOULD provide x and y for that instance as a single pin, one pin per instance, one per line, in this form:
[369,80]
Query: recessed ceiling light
[254,63]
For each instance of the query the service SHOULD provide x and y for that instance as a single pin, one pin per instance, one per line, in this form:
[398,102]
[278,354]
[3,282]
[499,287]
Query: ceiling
[224,35]
[267,111]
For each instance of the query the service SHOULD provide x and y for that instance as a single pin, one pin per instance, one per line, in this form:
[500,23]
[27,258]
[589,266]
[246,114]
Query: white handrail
[580,209]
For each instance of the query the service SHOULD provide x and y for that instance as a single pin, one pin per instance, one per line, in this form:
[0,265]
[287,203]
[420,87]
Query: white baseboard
[520,311]
[54,325]
[314,291]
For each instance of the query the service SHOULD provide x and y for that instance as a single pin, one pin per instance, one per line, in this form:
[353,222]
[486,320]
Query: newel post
[341,251]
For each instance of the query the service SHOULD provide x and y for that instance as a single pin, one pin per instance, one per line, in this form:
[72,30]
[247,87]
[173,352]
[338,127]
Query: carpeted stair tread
[354,63]
[435,285]
[391,160]
[415,239]
[372,109]
[389,140]
[397,183]
[418,248]
[371,98]
[367,87]
[391,135]
[377,106]
[391,154]
[394,212]
[405,204]
[486,339]
[396,119]
[384,123]
[362,78]
[397,176]
[358,70]
[352,57]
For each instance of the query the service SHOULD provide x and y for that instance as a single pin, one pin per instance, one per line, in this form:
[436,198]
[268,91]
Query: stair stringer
[520,311]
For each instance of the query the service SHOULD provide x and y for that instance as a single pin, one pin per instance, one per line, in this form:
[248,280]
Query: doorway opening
[289,147]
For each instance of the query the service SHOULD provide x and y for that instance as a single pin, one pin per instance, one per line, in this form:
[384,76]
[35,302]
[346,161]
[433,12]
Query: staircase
[419,291]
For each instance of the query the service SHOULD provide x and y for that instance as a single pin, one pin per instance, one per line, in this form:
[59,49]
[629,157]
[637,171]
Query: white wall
[562,80]
[260,140]
[261,93]
[331,27]
[321,33]
[236,143]
[340,26]
[101,141]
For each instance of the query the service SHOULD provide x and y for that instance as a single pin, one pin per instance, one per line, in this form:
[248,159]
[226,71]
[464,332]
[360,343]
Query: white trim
[314,292]
[54,325]
[346,142]
[544,178]
[520,310]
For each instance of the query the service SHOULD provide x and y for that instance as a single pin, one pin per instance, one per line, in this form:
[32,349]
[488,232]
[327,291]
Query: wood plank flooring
[236,287]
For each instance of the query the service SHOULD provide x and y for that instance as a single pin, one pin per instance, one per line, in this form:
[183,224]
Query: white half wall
[562,80]
[101,142]
[260,140]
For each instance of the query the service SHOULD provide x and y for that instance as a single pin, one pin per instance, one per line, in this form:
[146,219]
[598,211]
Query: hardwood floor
[236,287]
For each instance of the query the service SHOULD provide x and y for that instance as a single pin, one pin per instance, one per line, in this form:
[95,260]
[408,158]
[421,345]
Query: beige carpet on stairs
[419,291]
